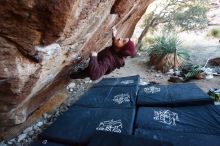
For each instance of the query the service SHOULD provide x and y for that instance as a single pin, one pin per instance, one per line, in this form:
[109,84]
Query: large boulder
[41,40]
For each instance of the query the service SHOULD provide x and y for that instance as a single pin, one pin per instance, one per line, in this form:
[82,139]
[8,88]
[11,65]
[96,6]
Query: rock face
[41,40]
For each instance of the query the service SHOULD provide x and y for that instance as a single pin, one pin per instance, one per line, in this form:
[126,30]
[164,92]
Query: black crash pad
[194,119]
[109,97]
[78,124]
[180,138]
[186,94]
[121,81]
[153,95]
[114,139]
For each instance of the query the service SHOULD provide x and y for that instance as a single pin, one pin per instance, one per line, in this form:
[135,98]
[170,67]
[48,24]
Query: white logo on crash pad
[121,98]
[111,126]
[127,82]
[152,89]
[166,117]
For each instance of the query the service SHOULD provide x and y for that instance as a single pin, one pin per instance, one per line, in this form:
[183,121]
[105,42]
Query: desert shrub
[162,53]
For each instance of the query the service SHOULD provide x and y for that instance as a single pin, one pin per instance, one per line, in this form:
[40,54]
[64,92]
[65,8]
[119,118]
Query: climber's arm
[114,34]
[97,69]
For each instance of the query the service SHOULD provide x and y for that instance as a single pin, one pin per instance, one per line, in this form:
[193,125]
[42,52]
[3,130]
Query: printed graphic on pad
[111,126]
[127,82]
[166,117]
[121,98]
[152,89]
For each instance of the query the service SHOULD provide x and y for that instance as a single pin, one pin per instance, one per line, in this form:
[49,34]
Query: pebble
[158,75]
[28,130]
[31,133]
[71,85]
[39,124]
[88,81]
[49,123]
[21,137]
[10,142]
[35,127]
[13,140]
[46,116]
[44,142]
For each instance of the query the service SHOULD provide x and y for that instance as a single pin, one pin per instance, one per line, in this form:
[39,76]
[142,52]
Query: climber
[107,60]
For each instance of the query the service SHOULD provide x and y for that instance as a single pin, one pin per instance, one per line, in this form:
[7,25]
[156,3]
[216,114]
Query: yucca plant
[167,53]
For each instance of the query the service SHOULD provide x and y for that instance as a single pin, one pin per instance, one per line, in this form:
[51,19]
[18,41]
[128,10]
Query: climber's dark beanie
[128,49]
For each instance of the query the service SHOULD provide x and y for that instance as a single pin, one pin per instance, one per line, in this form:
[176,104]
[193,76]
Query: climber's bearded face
[120,42]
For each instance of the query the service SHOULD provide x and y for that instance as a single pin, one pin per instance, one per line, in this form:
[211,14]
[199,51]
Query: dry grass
[167,62]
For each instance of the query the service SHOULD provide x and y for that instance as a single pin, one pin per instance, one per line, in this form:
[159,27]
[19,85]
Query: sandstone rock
[42,40]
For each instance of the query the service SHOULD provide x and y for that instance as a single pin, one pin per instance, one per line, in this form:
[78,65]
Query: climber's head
[125,47]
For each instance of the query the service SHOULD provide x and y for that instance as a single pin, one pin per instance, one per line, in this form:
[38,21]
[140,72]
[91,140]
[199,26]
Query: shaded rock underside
[41,40]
